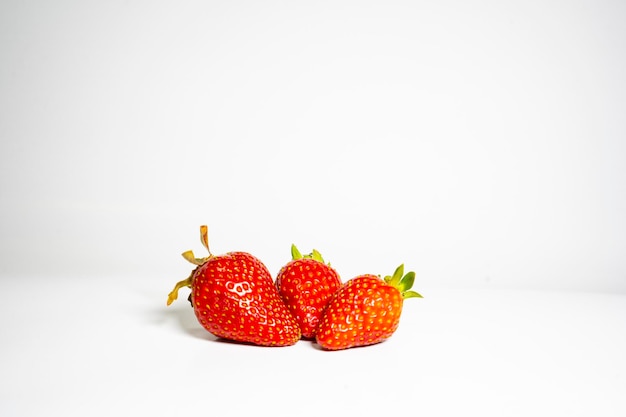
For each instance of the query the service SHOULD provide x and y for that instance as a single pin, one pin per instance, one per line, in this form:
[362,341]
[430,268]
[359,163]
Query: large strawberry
[365,310]
[307,284]
[234,297]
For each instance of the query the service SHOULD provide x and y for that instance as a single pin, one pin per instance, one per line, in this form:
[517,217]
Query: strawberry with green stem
[234,297]
[307,284]
[365,310]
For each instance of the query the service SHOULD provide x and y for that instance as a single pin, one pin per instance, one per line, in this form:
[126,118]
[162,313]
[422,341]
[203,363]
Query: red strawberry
[307,284]
[234,297]
[365,310]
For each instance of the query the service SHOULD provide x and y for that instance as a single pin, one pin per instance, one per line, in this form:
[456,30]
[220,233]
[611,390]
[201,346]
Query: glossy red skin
[307,286]
[364,311]
[234,297]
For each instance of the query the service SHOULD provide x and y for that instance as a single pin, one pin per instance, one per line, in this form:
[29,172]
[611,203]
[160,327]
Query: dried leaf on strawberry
[234,297]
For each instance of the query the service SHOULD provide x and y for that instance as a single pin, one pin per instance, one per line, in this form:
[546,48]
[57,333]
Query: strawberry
[307,284]
[234,297]
[366,310]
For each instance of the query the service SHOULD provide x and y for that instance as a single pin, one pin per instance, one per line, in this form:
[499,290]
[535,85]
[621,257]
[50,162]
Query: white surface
[109,346]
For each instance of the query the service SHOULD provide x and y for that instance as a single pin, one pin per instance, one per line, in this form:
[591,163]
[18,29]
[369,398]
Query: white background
[482,143]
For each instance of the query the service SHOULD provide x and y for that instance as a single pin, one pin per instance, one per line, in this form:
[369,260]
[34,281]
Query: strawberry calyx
[403,282]
[315,254]
[190,257]
[173,295]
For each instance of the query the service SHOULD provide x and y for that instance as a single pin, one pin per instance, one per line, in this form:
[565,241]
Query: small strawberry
[234,297]
[307,284]
[365,310]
